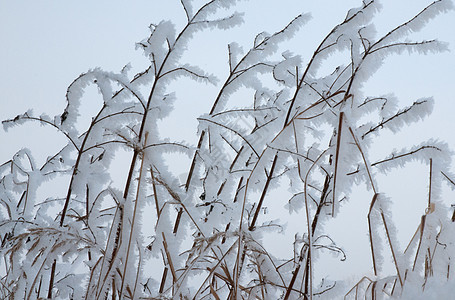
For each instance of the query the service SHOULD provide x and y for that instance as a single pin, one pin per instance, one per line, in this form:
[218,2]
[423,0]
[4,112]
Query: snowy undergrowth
[272,165]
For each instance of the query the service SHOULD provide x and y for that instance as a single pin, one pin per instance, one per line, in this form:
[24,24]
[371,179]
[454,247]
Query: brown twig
[337,158]
[370,231]
[391,248]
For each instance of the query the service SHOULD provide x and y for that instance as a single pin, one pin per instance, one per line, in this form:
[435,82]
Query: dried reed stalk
[391,248]
[133,222]
[422,228]
[337,157]
[370,231]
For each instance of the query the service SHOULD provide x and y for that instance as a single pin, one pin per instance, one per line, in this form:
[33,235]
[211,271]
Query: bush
[209,230]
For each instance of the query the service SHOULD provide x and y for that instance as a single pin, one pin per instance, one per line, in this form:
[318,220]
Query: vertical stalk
[422,228]
[337,156]
[134,218]
[264,192]
[370,231]
[429,189]
[391,248]
[51,280]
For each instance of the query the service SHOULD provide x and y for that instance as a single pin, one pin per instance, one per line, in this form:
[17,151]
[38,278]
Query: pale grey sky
[46,44]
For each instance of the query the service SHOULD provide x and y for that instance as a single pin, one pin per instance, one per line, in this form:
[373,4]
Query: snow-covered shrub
[209,230]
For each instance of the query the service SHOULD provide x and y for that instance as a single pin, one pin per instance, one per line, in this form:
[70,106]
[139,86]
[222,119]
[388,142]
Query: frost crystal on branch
[302,140]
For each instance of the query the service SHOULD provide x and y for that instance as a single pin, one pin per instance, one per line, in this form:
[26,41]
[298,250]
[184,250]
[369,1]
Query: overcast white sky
[45,44]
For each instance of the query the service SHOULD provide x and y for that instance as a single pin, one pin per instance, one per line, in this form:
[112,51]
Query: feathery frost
[294,150]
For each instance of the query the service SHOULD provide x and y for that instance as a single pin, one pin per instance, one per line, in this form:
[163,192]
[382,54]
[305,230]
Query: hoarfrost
[208,230]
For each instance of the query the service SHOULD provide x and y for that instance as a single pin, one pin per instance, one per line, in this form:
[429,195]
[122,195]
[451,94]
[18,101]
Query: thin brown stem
[337,159]
[133,222]
[264,192]
[391,248]
[370,231]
